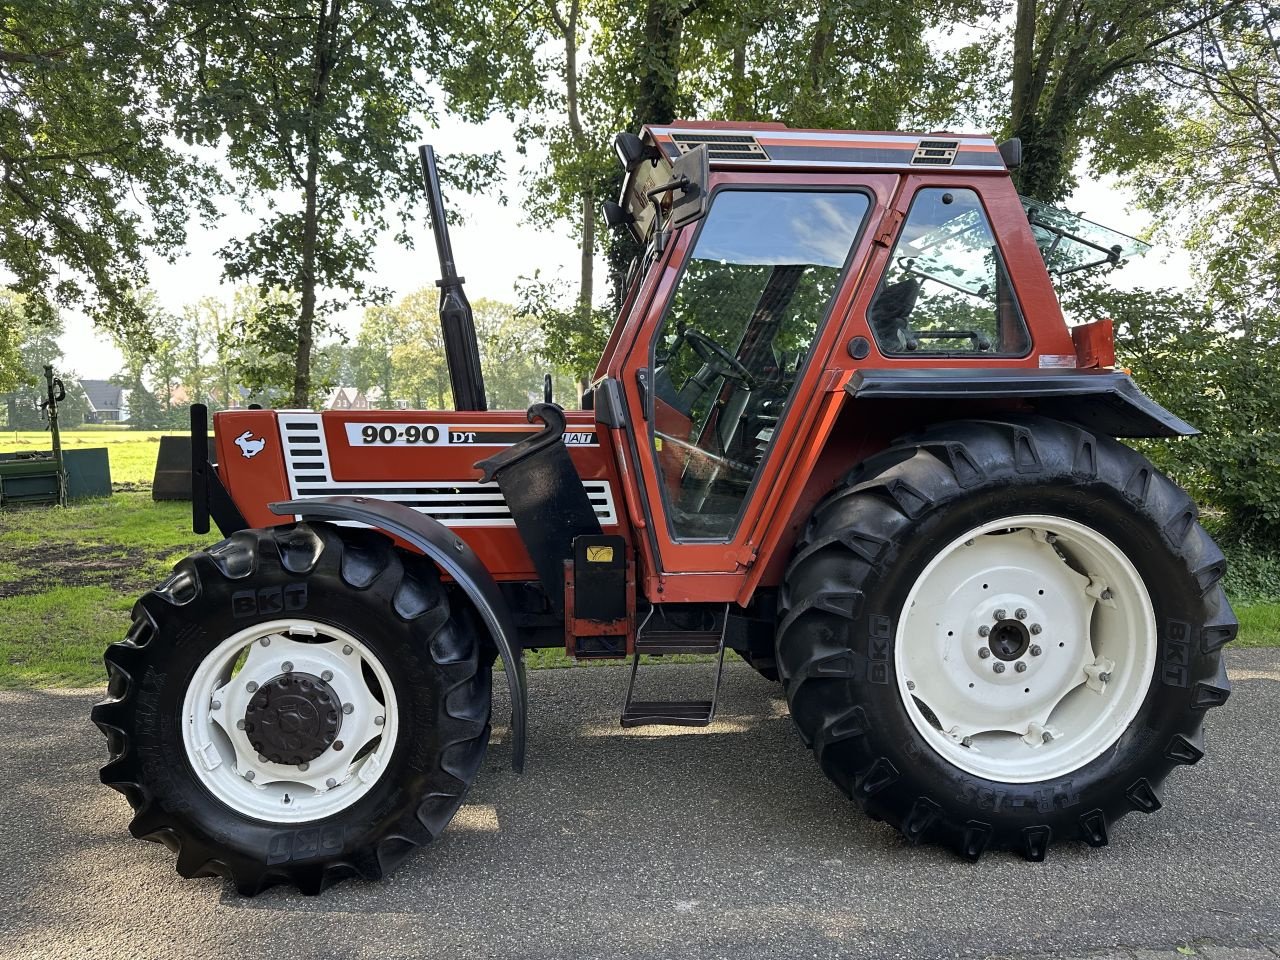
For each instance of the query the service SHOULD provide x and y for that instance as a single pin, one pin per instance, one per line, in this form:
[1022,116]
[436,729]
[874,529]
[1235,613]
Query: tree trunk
[322,66]
[659,76]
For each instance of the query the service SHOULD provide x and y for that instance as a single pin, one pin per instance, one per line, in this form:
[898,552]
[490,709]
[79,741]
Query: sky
[496,245]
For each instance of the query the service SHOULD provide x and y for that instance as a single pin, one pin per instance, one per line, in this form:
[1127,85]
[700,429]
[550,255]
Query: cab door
[730,353]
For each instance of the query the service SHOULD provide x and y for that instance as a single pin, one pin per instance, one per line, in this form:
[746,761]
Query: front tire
[999,635]
[297,704]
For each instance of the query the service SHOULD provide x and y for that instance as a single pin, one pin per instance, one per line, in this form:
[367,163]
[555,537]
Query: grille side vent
[935,153]
[455,503]
[722,146]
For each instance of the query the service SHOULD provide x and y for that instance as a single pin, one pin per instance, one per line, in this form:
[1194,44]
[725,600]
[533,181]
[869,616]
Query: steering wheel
[711,352]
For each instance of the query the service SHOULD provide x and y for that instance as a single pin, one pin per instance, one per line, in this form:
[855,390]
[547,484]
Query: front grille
[455,503]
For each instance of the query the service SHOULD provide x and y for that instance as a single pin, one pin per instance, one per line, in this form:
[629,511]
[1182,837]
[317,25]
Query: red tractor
[840,427]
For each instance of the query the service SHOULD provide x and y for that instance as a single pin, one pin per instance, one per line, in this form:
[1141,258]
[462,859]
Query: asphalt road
[658,842]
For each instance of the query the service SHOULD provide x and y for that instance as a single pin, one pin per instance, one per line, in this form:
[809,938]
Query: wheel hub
[293,718]
[1009,639]
[1026,647]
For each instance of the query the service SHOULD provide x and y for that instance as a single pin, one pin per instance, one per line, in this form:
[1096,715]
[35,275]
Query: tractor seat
[890,311]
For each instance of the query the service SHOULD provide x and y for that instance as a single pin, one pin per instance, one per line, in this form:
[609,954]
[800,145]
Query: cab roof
[732,145]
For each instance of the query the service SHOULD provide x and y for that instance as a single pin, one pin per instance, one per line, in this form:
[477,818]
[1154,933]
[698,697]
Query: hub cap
[293,718]
[1026,648]
[290,721]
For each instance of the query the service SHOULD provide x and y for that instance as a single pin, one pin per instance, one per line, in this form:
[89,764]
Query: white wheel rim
[1040,714]
[226,762]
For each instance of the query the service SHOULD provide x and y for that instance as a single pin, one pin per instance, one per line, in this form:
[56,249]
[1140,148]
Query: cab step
[678,713]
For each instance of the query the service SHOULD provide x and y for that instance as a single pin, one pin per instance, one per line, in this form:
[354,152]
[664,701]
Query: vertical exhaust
[462,352]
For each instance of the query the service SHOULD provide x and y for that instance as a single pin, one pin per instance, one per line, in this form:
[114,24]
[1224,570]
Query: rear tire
[374,625]
[955,755]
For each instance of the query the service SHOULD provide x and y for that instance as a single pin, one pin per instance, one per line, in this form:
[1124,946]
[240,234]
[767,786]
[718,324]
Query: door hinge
[747,555]
[889,228]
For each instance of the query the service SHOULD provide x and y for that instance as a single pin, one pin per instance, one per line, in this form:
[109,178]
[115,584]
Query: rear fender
[453,557]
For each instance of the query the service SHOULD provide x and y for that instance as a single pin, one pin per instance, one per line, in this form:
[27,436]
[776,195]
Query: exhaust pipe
[461,351]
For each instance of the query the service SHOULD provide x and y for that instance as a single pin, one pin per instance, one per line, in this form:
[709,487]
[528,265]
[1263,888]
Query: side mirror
[615,216]
[694,171]
[1011,152]
[631,150]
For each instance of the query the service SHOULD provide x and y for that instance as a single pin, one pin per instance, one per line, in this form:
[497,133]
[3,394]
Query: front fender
[453,557]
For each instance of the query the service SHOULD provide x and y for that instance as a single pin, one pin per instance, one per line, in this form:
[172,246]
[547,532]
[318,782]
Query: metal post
[55,392]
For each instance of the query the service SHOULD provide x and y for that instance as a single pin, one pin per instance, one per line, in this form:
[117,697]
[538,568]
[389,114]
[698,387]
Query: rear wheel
[298,704]
[999,635]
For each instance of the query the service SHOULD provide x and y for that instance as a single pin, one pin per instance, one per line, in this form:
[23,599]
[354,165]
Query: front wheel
[1004,634]
[297,704]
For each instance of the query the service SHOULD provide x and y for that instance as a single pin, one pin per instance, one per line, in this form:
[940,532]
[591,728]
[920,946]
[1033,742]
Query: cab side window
[946,291]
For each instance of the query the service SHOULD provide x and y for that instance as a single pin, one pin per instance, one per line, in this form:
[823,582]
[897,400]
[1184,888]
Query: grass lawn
[69,576]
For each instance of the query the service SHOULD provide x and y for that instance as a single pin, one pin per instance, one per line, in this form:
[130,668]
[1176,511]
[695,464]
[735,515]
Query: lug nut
[249,774]
[327,676]
[216,705]
[999,667]
[1001,614]
[239,724]
[304,766]
[984,631]
[1020,613]
[1104,677]
[1035,650]
[347,708]
[984,652]
[1035,629]
[911,684]
[1106,594]
[262,758]
[1020,666]
[379,721]
[251,686]
[266,641]
[346,649]
[287,666]
[338,744]
[331,783]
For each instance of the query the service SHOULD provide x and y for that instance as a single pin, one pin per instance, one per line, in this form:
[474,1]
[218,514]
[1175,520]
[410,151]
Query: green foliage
[91,184]
[1214,369]
[1087,72]
[400,352]
[1217,188]
[315,104]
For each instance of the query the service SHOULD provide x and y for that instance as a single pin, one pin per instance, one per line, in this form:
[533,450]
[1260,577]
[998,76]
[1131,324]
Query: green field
[132,453]
[69,576]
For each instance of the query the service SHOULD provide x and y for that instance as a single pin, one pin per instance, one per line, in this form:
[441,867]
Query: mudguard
[1106,401]
[455,558]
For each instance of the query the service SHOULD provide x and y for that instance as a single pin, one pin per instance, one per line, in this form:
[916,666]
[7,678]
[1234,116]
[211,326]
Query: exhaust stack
[461,351]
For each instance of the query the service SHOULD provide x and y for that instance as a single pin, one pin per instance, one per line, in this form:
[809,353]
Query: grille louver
[722,146]
[935,153]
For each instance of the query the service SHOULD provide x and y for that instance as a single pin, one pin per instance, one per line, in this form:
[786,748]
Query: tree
[1082,71]
[318,103]
[88,182]
[29,347]
[1217,187]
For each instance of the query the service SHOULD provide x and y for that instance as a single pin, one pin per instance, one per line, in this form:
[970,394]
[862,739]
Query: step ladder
[679,713]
